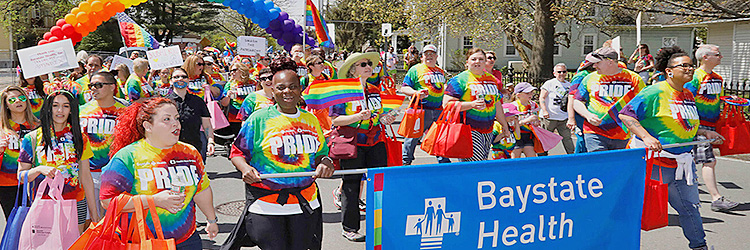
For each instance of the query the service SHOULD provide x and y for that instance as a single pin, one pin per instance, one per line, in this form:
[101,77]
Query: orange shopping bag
[412,126]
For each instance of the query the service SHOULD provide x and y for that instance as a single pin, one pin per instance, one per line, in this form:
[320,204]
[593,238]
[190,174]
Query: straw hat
[374,57]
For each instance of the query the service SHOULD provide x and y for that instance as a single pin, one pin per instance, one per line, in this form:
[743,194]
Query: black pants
[367,157]
[286,232]
[8,199]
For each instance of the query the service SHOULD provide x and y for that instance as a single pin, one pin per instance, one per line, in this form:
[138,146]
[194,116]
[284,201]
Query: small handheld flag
[323,94]
[314,18]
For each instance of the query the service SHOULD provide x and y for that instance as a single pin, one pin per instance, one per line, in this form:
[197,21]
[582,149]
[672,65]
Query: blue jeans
[192,243]
[596,142]
[684,199]
[410,144]
[580,143]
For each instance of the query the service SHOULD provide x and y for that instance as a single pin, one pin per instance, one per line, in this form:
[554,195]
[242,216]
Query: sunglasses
[265,78]
[319,63]
[684,66]
[202,64]
[96,85]
[364,64]
[561,71]
[491,58]
[233,70]
[179,77]
[15,99]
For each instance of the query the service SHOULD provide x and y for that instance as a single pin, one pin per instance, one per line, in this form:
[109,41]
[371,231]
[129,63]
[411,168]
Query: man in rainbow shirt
[706,86]
[597,93]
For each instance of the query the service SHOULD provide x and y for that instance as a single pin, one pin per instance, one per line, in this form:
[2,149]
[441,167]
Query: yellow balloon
[85,7]
[82,17]
[71,19]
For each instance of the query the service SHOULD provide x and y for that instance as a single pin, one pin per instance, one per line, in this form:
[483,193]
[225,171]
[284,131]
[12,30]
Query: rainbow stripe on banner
[323,94]
[133,34]
[391,102]
[614,111]
[314,18]
[378,202]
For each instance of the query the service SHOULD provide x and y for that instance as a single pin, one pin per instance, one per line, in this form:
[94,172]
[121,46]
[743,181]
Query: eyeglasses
[684,66]
[96,85]
[364,64]
[15,99]
[179,77]
[265,78]
[491,58]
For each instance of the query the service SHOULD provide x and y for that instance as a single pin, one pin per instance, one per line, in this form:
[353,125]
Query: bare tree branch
[652,10]
[717,6]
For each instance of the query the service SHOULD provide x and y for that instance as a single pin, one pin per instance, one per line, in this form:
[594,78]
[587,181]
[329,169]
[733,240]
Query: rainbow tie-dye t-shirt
[61,155]
[668,115]
[707,88]
[373,104]
[98,124]
[197,85]
[532,109]
[468,87]
[378,73]
[142,169]
[253,102]
[501,149]
[422,77]
[272,142]
[36,100]
[137,88]
[600,93]
[9,168]
[243,90]
[162,88]
[85,94]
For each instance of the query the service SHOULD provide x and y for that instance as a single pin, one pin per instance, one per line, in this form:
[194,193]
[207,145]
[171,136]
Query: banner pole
[364,171]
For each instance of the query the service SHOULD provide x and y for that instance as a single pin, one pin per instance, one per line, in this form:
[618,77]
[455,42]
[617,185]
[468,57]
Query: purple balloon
[289,37]
[275,24]
[269,30]
[288,46]
[276,34]
[280,42]
[288,25]
[297,28]
[283,16]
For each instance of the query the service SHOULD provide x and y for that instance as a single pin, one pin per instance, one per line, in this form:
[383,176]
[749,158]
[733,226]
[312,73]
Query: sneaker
[362,205]
[337,197]
[700,248]
[353,236]
[723,204]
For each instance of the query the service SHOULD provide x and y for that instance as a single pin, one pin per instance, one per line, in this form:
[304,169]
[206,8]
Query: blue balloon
[236,5]
[269,5]
[259,5]
[227,2]
[273,14]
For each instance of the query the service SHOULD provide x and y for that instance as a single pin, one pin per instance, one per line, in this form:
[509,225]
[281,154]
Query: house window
[468,43]
[510,50]
[35,12]
[668,41]
[589,43]
[556,50]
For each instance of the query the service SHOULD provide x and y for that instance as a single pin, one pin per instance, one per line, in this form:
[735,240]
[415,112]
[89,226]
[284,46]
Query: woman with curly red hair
[149,160]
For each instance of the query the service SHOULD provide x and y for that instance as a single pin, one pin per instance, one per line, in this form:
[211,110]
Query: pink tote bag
[548,139]
[51,223]
[218,120]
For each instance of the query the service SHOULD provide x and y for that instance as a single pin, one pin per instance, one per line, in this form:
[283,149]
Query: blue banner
[581,201]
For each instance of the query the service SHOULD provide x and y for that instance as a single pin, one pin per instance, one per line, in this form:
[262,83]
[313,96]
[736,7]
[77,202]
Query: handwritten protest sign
[250,45]
[47,58]
[164,58]
[122,60]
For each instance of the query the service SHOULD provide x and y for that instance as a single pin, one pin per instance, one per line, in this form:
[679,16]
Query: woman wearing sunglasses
[16,120]
[65,151]
[34,88]
[259,99]
[665,113]
[199,78]
[366,116]
[235,91]
[490,67]
[315,67]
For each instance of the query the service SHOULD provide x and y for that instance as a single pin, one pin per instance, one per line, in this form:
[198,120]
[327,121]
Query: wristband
[212,221]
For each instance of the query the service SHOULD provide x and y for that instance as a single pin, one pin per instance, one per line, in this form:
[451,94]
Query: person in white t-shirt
[552,99]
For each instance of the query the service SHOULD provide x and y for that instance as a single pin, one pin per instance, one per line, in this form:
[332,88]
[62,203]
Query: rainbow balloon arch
[89,14]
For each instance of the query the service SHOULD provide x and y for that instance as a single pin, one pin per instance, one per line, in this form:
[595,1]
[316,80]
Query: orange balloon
[82,17]
[71,19]
[80,28]
[85,7]
[97,5]
[118,6]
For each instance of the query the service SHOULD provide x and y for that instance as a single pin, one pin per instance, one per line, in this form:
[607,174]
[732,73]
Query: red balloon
[75,37]
[47,35]
[54,39]
[42,42]
[56,31]
[68,29]
[61,22]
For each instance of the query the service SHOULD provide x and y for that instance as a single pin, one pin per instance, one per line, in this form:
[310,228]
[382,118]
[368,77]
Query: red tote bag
[454,139]
[655,199]
[393,147]
[428,143]
[412,126]
[735,129]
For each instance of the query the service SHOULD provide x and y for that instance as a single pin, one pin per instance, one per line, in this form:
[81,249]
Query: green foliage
[105,38]
[362,21]
[25,19]
[165,19]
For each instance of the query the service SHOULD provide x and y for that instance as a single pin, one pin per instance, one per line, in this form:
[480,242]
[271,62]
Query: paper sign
[616,45]
[251,45]
[47,58]
[386,29]
[122,60]
[638,29]
[164,58]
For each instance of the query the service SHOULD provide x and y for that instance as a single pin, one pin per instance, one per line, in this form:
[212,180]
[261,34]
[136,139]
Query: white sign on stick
[122,60]
[616,44]
[251,45]
[47,58]
[164,58]
[386,29]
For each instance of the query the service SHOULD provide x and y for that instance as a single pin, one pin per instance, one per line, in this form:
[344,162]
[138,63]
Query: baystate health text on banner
[582,201]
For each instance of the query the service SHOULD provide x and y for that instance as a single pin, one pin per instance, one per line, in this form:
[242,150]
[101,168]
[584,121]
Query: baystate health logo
[433,223]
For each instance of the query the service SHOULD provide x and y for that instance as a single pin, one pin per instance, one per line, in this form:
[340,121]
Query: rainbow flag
[391,102]
[378,205]
[323,94]
[133,34]
[314,18]
[614,111]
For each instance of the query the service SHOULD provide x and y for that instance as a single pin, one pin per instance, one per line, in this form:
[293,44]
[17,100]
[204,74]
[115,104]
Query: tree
[105,38]
[25,19]
[358,21]
[165,19]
